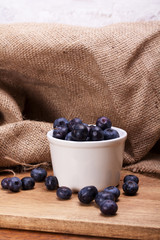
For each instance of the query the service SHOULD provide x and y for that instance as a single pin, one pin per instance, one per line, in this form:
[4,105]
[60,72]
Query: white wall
[94,13]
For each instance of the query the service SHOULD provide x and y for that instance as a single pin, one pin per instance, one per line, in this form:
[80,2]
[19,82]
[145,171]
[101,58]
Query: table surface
[6,234]
[38,214]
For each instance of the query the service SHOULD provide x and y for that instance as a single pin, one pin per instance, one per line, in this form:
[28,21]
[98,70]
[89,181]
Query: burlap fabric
[50,70]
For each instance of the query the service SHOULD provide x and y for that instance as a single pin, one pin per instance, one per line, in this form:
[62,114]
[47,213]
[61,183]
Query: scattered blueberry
[132,178]
[27,183]
[96,134]
[103,123]
[64,193]
[130,188]
[110,133]
[109,207]
[15,184]
[113,190]
[51,182]
[59,122]
[87,194]
[102,196]
[5,182]
[38,174]
[80,132]
[73,122]
[104,199]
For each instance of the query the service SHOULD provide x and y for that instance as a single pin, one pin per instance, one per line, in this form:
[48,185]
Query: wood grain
[6,234]
[138,217]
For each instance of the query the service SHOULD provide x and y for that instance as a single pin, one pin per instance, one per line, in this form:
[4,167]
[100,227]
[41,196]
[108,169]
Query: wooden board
[138,217]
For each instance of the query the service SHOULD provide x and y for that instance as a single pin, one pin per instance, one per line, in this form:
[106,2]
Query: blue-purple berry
[103,122]
[60,132]
[96,134]
[109,207]
[79,132]
[88,126]
[38,174]
[87,194]
[15,184]
[51,182]
[28,183]
[69,137]
[130,188]
[5,182]
[74,122]
[102,196]
[114,190]
[59,122]
[110,133]
[64,193]
[131,177]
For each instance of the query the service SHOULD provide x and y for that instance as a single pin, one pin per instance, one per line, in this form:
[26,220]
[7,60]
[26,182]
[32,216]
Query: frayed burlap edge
[22,167]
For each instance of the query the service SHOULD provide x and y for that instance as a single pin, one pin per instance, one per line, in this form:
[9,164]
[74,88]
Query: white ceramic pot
[80,164]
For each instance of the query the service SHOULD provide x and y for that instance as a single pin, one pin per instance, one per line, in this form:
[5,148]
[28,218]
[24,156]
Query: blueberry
[102,196]
[38,174]
[51,182]
[80,132]
[109,207]
[27,183]
[60,132]
[96,134]
[113,190]
[69,137]
[130,188]
[64,193]
[15,184]
[91,126]
[132,178]
[73,122]
[59,122]
[88,126]
[110,133]
[87,194]
[5,182]
[103,123]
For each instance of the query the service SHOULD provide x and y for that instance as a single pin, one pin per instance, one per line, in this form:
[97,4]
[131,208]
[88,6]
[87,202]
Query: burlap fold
[52,70]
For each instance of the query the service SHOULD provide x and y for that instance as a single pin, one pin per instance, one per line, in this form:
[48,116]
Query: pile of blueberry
[76,130]
[105,200]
